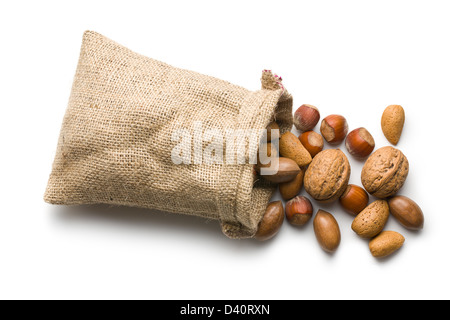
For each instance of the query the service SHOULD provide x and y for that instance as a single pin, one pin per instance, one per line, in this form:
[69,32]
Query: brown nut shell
[371,221]
[292,148]
[287,171]
[299,210]
[407,212]
[271,222]
[327,176]
[327,231]
[385,172]
[306,117]
[290,189]
[312,141]
[334,128]
[270,127]
[360,143]
[386,243]
[354,199]
[392,122]
[268,150]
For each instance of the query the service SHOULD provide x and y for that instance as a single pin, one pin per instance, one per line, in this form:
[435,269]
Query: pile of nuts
[325,174]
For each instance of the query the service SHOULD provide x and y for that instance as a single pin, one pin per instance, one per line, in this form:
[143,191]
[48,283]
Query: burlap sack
[115,143]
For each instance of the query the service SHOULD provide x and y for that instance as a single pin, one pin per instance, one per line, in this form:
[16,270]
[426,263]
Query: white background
[347,57]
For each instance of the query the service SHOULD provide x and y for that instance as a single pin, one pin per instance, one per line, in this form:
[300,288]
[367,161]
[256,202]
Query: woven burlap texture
[115,143]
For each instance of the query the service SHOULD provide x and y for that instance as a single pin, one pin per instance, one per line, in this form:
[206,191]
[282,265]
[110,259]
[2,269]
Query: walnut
[327,176]
[385,172]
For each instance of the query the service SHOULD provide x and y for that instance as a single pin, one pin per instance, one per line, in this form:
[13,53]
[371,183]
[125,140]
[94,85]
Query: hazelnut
[312,141]
[299,210]
[354,199]
[306,117]
[360,143]
[271,221]
[334,128]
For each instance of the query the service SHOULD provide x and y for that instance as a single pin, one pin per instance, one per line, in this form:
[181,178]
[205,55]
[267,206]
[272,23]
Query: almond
[392,122]
[371,221]
[292,148]
[386,243]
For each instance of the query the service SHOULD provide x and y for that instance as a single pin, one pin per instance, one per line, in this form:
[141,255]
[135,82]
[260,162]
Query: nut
[327,231]
[385,172]
[354,199]
[392,122]
[270,151]
[270,127]
[334,128]
[271,221]
[327,176]
[287,171]
[292,148]
[386,243]
[360,143]
[306,117]
[290,189]
[371,221]
[299,210]
[312,141]
[407,212]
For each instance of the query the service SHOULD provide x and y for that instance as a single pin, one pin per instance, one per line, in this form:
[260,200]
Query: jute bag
[116,143]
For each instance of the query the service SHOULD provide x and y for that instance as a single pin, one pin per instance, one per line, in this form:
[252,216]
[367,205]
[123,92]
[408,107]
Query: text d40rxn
[243,309]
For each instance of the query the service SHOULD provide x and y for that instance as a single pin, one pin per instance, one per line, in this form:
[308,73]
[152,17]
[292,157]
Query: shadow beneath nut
[329,255]
[153,225]
[328,207]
